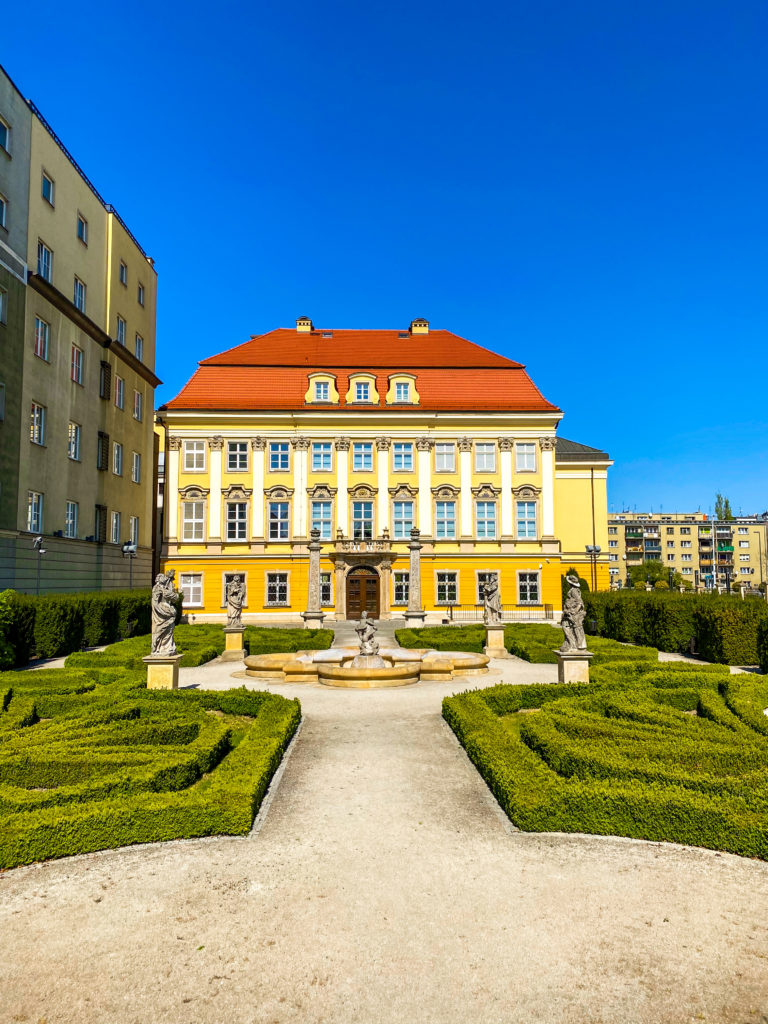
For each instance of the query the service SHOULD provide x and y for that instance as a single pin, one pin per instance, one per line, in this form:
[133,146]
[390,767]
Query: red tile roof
[272,372]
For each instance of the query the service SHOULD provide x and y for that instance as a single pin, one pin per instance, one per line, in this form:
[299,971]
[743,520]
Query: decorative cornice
[424,444]
[486,491]
[361,491]
[506,444]
[174,443]
[216,443]
[278,493]
[342,444]
[547,444]
[446,491]
[321,491]
[403,491]
[258,443]
[192,492]
[526,492]
[465,444]
[383,443]
[301,444]
[236,492]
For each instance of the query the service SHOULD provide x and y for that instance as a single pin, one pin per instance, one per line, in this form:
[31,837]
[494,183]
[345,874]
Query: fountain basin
[364,678]
[393,666]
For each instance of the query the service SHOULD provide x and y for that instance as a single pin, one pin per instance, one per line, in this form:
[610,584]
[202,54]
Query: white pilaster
[425,494]
[215,445]
[547,486]
[172,488]
[382,468]
[300,457]
[258,455]
[465,498]
[342,483]
[505,467]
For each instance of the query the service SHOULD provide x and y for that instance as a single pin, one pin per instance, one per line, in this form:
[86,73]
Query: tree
[652,571]
[723,511]
[582,583]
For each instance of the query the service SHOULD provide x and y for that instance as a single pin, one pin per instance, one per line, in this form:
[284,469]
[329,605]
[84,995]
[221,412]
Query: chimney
[304,325]
[419,326]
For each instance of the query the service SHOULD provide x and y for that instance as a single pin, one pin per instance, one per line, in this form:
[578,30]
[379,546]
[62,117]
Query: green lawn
[669,752]
[90,759]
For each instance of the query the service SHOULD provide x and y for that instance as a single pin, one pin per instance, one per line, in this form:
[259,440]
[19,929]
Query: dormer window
[362,391]
[402,392]
[322,391]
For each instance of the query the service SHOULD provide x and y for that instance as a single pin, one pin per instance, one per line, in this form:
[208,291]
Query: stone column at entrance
[313,616]
[341,590]
[415,613]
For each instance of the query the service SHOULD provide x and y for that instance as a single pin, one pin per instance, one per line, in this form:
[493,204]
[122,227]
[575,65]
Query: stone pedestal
[162,671]
[313,617]
[494,641]
[233,643]
[313,620]
[415,615]
[573,666]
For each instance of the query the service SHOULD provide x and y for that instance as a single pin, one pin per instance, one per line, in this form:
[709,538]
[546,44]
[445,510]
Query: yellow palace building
[386,470]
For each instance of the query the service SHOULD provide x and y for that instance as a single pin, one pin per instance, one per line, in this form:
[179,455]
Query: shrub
[762,645]
[271,640]
[623,755]
[726,630]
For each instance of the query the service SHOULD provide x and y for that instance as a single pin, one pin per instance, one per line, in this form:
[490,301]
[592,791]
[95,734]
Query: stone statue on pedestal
[367,633]
[574,614]
[235,597]
[164,598]
[491,600]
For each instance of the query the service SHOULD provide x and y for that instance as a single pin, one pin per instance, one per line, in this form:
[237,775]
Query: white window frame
[139,348]
[193,520]
[114,527]
[236,519]
[402,522]
[80,293]
[445,523]
[194,453]
[123,272]
[525,457]
[76,365]
[119,392]
[71,516]
[362,391]
[362,523]
[74,437]
[521,582]
[42,338]
[138,406]
[322,391]
[483,525]
[140,294]
[82,235]
[51,197]
[278,520]
[133,529]
[6,146]
[445,457]
[402,391]
[44,261]
[117,458]
[485,457]
[322,457]
[191,587]
[37,424]
[35,504]
[526,519]
[362,457]
[121,328]
[136,467]
[401,586]
[271,581]
[442,585]
[326,590]
[321,521]
[3,211]
[402,457]
[238,449]
[279,453]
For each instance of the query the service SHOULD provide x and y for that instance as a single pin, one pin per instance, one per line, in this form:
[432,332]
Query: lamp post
[593,550]
[760,558]
[38,544]
[129,552]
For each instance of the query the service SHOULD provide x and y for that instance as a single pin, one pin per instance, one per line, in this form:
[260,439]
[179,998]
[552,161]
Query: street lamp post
[760,558]
[129,552]
[38,544]
[593,550]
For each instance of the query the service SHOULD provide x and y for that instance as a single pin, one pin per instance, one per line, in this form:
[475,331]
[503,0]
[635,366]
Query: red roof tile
[272,372]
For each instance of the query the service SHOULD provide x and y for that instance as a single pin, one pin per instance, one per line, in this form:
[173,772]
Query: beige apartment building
[85,479]
[705,552]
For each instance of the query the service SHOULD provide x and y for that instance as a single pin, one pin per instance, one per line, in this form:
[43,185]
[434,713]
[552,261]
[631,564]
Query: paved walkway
[384,885]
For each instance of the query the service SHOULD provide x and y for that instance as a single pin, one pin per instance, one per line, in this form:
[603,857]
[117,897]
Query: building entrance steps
[384,884]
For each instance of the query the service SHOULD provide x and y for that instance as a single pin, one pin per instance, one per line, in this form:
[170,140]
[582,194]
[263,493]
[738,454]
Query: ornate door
[362,593]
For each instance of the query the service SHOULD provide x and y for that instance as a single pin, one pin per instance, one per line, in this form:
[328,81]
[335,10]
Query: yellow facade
[512,498]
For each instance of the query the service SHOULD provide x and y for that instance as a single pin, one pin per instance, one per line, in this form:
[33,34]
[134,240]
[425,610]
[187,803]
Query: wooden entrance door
[362,593]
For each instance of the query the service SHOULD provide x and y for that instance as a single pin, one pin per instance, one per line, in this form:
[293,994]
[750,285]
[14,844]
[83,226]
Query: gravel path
[384,885]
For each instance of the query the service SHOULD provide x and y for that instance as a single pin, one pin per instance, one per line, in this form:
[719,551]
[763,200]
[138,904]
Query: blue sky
[579,186]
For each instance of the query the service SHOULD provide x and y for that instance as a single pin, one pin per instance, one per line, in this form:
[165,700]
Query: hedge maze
[91,759]
[668,752]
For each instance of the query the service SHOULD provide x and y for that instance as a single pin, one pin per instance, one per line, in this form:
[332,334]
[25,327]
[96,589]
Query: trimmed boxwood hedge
[90,759]
[623,755]
[722,629]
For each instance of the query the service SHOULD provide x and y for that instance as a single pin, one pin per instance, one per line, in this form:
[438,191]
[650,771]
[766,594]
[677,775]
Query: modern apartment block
[79,333]
[705,552]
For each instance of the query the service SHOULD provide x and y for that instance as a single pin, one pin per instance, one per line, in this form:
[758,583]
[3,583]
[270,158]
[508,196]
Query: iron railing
[509,612]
